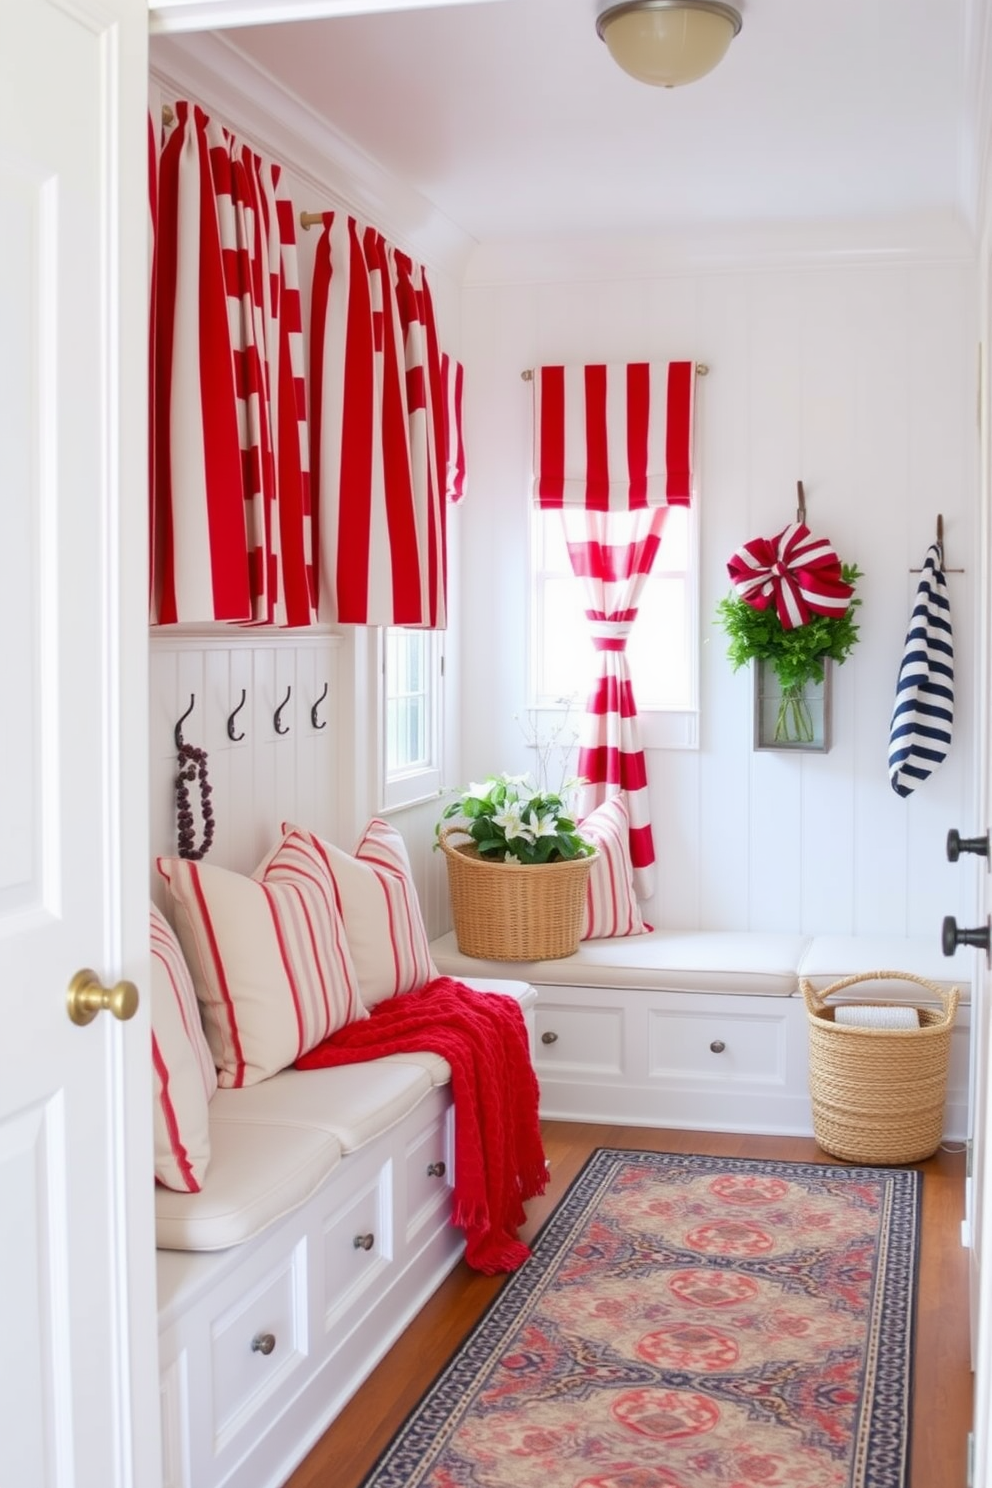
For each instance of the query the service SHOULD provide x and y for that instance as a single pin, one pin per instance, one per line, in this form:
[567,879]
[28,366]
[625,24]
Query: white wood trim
[209,15]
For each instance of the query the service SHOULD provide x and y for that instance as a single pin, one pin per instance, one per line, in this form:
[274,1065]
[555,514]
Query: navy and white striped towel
[923,716]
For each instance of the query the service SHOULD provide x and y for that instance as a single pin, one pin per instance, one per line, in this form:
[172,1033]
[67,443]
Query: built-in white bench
[707,1029]
[323,1226]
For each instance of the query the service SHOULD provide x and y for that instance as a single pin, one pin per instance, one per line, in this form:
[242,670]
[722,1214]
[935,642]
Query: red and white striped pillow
[268,955]
[382,919]
[611,904]
[183,1069]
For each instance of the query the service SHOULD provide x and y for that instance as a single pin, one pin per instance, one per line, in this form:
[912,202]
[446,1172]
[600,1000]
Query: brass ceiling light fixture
[667,42]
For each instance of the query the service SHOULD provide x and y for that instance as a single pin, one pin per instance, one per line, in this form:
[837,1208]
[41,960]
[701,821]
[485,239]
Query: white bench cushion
[747,962]
[274,1143]
[829,958]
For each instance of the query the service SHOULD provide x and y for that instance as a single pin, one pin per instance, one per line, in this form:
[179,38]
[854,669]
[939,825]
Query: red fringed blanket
[499,1156]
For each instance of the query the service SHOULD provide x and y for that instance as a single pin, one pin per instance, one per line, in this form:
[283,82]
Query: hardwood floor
[942,1372]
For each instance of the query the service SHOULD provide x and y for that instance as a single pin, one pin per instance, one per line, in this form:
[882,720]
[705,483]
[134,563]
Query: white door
[78,1372]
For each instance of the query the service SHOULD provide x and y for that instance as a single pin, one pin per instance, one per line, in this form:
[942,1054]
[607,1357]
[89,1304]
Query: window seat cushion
[747,962]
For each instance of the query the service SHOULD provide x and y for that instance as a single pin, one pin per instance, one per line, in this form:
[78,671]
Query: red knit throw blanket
[499,1156]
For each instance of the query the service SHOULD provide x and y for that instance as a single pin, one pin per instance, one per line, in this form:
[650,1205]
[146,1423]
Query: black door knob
[956,845]
[952,936]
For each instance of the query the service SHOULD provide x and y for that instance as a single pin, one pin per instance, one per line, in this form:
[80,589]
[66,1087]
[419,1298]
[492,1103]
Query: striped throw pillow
[382,919]
[268,955]
[184,1077]
[611,904]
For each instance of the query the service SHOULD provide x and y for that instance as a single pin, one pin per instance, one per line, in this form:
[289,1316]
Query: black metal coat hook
[179,725]
[236,738]
[801,503]
[277,715]
[313,710]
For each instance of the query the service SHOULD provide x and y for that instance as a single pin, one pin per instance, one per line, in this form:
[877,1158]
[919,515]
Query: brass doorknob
[86,996]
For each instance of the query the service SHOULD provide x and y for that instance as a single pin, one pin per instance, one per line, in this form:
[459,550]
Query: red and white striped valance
[377,432]
[231,519]
[614,437]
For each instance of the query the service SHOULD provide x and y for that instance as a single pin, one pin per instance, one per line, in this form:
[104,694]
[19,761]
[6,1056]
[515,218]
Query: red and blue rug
[688,1322]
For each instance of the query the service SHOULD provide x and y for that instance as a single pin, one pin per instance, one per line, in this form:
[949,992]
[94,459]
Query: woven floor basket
[878,1093]
[514,911]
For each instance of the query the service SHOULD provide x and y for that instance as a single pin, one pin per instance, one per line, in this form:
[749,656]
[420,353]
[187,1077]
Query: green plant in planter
[795,655]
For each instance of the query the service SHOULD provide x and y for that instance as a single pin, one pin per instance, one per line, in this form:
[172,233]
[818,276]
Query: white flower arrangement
[511,821]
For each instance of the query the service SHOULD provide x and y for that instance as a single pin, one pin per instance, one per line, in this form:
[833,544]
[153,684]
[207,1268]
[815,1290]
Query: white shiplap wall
[857,376]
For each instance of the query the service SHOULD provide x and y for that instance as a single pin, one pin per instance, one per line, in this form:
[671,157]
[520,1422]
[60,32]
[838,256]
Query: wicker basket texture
[878,1093]
[514,911]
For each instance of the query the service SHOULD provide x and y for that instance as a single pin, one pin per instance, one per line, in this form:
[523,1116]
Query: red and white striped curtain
[377,432]
[613,566]
[612,451]
[231,519]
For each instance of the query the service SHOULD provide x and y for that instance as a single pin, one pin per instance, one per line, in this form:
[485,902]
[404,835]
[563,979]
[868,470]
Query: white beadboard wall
[856,376]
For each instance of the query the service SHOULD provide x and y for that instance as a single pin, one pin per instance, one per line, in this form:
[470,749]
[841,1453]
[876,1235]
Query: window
[661,650]
[411,670]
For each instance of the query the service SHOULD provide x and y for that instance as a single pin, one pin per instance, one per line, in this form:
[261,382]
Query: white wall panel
[857,377]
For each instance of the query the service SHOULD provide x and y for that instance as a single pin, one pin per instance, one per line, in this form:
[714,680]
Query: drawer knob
[263,1343]
[549,1037]
[436,1170]
[364,1242]
[717,1046]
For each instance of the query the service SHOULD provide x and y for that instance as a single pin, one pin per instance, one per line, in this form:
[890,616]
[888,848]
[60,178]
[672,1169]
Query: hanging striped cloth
[377,432]
[923,715]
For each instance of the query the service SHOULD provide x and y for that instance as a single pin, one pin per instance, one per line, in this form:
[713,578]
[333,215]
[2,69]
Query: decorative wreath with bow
[792,606]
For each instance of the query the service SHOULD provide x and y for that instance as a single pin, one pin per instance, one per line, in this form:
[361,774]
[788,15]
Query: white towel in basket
[863,1015]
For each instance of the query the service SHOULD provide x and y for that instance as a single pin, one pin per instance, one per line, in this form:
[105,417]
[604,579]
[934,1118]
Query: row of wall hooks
[277,723]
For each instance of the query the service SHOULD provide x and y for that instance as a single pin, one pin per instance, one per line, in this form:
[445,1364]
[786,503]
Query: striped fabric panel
[453,386]
[377,433]
[268,955]
[923,713]
[613,553]
[378,901]
[183,1070]
[611,907]
[232,532]
[613,437]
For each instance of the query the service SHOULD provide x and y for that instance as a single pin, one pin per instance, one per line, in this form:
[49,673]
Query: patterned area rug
[688,1322]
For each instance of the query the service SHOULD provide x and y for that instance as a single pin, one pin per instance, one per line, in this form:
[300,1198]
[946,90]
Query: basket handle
[445,832]
[817,1001]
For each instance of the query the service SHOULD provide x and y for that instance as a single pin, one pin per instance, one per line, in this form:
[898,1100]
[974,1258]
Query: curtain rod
[311,219]
[701,371]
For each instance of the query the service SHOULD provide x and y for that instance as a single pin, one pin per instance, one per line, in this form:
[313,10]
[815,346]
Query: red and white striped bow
[798,573]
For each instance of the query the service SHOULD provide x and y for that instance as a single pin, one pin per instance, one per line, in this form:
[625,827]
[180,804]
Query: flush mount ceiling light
[667,42]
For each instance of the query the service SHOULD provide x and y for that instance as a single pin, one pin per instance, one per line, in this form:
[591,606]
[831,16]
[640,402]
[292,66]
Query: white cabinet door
[78,1395]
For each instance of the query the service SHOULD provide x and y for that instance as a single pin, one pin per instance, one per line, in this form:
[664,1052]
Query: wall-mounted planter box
[796,723]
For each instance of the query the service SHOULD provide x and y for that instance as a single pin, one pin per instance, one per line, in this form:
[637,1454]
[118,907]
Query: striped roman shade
[923,715]
[613,437]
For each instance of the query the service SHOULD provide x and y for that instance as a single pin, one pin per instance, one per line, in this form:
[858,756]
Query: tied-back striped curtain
[377,432]
[231,517]
[611,759]
[612,451]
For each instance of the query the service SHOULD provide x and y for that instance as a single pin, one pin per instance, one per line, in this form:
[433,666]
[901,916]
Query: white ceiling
[513,122]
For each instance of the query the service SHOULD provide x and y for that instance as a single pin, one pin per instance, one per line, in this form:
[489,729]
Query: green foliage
[796,656]
[511,822]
